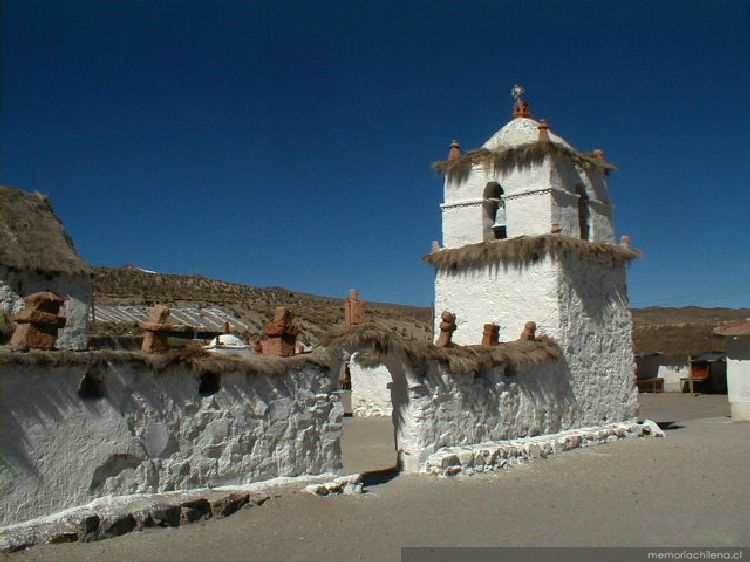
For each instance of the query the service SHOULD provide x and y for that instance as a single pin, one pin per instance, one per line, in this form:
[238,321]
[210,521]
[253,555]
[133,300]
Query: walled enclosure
[78,426]
[445,397]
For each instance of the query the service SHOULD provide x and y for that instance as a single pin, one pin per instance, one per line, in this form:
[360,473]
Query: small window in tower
[583,212]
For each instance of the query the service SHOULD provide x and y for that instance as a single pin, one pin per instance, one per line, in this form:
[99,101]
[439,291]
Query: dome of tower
[517,132]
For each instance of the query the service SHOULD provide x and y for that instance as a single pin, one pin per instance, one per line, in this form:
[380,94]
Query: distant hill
[122,296]
[682,331]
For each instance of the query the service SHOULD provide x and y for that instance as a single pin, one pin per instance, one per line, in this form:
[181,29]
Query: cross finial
[516,92]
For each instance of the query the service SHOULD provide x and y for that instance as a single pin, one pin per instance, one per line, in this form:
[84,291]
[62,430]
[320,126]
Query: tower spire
[521,107]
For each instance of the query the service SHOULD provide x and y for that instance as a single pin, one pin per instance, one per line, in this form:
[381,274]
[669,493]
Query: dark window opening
[92,386]
[583,213]
[210,383]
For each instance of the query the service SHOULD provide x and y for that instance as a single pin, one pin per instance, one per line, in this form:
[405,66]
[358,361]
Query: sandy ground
[689,489]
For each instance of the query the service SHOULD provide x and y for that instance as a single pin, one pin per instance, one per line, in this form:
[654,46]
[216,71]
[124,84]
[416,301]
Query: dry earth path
[689,489]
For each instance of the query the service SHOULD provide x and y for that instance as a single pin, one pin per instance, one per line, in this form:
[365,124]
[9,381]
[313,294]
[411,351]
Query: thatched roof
[524,249]
[32,238]
[516,157]
[686,339]
[195,359]
[373,342]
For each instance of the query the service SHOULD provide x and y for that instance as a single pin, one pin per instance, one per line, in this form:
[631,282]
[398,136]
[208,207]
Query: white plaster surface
[447,410]
[154,432]
[371,393]
[738,377]
[75,289]
[595,333]
[503,294]
[579,301]
[672,369]
[463,223]
[518,132]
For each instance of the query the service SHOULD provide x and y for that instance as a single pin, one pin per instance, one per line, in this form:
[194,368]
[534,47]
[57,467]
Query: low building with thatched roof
[37,255]
[528,236]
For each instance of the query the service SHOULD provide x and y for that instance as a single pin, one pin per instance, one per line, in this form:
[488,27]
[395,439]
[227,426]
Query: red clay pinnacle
[455,152]
[543,130]
[37,324]
[490,335]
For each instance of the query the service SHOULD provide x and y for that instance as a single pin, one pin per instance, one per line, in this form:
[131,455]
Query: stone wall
[454,410]
[77,430]
[75,289]
[434,408]
[595,333]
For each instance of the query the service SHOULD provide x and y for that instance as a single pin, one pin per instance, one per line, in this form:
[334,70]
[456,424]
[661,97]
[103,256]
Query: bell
[499,218]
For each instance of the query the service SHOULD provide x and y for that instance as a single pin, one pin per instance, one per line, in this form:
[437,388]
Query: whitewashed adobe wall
[508,295]
[580,301]
[462,223]
[75,289]
[527,202]
[153,432]
[595,334]
[438,409]
[371,393]
[435,409]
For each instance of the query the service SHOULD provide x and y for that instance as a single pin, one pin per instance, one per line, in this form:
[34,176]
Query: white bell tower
[528,236]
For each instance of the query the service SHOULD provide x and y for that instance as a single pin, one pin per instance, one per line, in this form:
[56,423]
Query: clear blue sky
[290,143]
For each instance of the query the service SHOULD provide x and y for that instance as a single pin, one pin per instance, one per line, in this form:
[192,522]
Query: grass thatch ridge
[194,359]
[523,249]
[373,342]
[516,157]
[32,238]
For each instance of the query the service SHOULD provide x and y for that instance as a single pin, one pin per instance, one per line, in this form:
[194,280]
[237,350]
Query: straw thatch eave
[516,157]
[374,342]
[524,249]
[32,238]
[194,360]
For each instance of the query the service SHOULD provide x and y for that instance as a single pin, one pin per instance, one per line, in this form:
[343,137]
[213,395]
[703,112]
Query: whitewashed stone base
[483,457]
[347,485]
[111,517]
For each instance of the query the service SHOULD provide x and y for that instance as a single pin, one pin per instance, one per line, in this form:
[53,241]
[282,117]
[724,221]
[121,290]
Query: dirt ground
[689,489]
